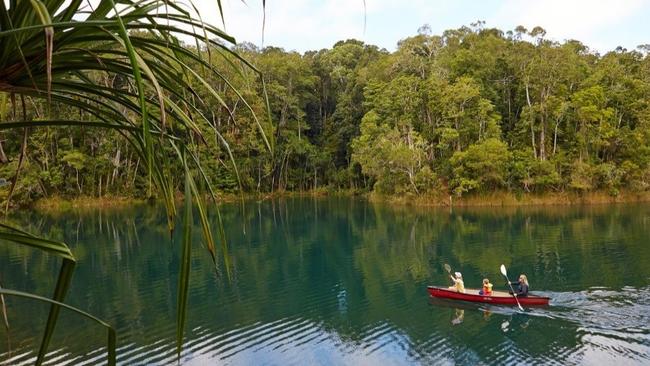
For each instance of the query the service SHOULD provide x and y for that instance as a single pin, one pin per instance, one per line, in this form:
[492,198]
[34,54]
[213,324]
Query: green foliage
[545,175]
[392,156]
[552,104]
[582,176]
[426,180]
[75,159]
[483,166]
[531,174]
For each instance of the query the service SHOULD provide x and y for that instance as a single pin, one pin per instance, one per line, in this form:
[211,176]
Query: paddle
[448,268]
[505,274]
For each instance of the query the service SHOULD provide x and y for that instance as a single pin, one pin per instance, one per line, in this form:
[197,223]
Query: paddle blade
[447,267]
[503,271]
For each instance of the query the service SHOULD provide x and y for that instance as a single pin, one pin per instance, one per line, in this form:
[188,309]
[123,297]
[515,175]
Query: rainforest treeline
[470,111]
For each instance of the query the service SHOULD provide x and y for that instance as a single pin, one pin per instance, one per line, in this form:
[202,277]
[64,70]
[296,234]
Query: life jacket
[487,289]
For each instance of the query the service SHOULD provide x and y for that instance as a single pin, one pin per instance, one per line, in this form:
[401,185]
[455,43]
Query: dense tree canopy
[469,111]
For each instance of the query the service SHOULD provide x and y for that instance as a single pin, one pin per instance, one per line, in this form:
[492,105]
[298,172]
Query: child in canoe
[487,288]
[459,285]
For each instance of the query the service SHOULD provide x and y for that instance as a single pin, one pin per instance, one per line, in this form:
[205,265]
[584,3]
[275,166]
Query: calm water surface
[340,281]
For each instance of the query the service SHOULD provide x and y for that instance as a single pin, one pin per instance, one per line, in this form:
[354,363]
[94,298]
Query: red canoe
[497,297]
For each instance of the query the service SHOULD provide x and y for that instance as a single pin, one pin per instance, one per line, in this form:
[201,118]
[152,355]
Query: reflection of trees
[558,247]
[343,264]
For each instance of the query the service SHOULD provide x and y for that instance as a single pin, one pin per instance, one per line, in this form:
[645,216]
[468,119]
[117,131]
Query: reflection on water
[340,281]
[458,317]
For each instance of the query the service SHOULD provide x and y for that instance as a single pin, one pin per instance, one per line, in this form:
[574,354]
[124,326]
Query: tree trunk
[557,124]
[544,118]
[457,126]
[135,172]
[78,185]
[116,164]
[510,119]
[259,176]
[542,143]
[23,153]
[40,184]
[3,157]
[532,123]
[412,180]
[128,168]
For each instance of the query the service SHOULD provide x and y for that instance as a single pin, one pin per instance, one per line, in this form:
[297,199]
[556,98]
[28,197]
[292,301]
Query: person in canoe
[521,286]
[486,290]
[459,285]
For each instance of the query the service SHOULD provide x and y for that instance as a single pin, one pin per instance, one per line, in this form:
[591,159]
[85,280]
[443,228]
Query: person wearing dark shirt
[521,286]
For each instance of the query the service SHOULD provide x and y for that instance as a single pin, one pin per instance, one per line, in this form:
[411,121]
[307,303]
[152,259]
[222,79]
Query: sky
[303,25]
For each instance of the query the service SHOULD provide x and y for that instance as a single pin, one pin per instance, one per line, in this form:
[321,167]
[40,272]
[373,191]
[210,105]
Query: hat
[458,274]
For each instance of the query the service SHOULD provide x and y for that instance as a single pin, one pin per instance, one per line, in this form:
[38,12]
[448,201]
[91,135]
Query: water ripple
[344,283]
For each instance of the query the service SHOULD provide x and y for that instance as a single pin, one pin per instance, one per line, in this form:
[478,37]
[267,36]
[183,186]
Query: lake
[333,281]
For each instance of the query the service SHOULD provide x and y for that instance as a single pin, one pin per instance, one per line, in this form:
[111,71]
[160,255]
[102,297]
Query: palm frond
[59,249]
[183,276]
[111,341]
[55,51]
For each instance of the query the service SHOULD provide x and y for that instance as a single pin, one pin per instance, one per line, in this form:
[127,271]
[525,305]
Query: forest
[470,111]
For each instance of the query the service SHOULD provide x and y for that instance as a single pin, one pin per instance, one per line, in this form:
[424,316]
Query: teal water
[341,281]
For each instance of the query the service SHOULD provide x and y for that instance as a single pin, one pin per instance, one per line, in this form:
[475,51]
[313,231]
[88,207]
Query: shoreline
[501,199]
[60,203]
[494,199]
[82,202]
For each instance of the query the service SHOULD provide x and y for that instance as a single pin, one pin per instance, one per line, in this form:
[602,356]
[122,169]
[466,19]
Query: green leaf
[184,273]
[62,286]
[59,249]
[111,335]
[133,57]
